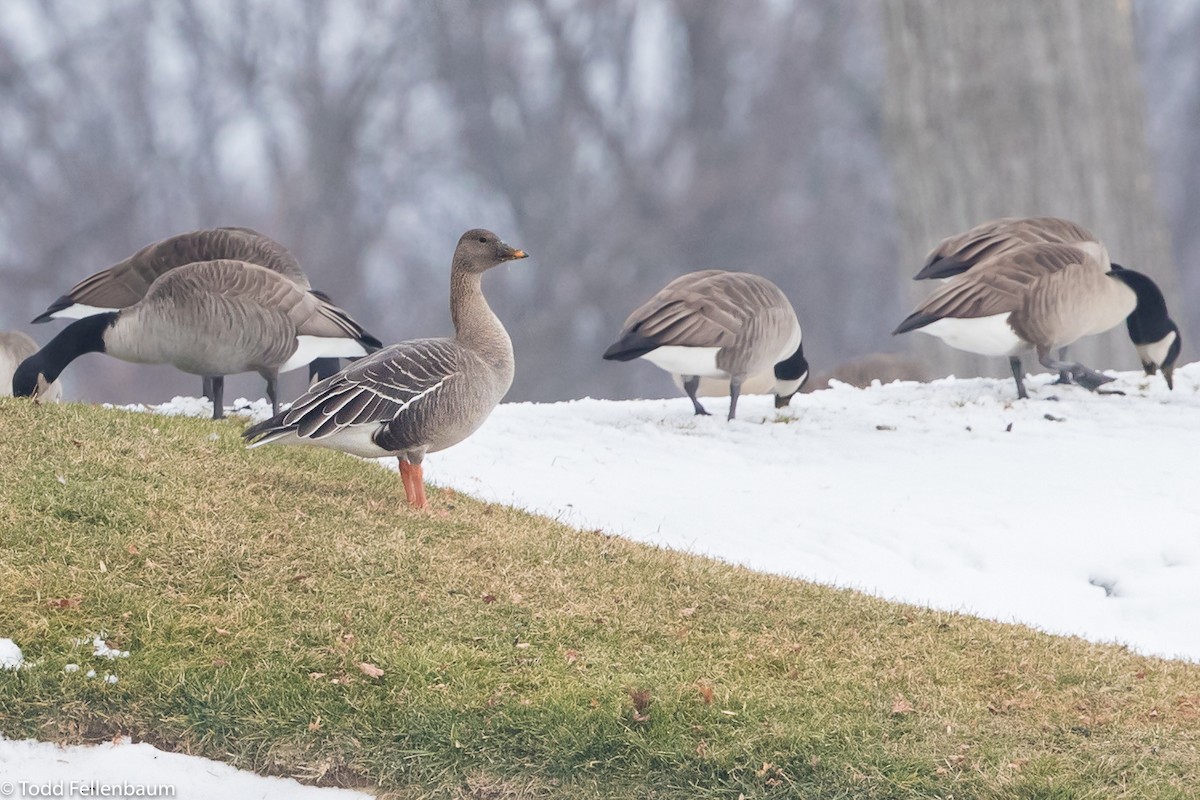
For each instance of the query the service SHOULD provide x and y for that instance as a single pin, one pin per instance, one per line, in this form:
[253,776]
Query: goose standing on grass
[127,282]
[210,318]
[415,397]
[718,324]
[1043,297]
[15,347]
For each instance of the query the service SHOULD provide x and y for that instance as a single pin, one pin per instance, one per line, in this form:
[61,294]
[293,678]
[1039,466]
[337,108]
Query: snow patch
[10,655]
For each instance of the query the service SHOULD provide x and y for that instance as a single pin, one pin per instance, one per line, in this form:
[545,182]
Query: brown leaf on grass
[65,602]
[220,662]
[315,725]
[706,692]
[316,676]
[132,549]
[572,656]
[1140,674]
[641,704]
[901,706]
[488,598]
[370,670]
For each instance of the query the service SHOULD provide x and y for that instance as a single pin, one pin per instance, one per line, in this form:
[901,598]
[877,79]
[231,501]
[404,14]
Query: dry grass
[519,658]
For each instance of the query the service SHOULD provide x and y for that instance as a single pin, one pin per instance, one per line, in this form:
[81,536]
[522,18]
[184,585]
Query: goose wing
[959,253]
[702,309]
[1000,284]
[385,388]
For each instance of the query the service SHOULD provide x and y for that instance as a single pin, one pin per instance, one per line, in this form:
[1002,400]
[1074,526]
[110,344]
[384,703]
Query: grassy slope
[249,586]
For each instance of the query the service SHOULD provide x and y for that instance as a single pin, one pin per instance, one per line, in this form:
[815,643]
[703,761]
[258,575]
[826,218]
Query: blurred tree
[1021,108]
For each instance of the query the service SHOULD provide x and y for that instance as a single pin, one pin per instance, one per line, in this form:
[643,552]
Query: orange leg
[414,484]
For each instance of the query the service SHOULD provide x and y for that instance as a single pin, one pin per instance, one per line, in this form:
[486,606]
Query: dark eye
[483,240]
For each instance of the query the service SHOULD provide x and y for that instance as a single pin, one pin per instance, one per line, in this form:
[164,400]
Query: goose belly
[687,360]
[987,336]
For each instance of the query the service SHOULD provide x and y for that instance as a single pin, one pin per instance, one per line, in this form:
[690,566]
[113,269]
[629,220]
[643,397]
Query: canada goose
[15,347]
[956,254]
[415,397]
[126,282]
[210,318]
[1043,297]
[718,324]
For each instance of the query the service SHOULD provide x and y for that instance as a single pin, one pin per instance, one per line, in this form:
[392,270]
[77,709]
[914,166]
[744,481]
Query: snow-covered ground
[1077,515]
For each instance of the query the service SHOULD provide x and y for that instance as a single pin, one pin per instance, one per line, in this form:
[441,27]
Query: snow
[1072,512]
[122,763]
[10,655]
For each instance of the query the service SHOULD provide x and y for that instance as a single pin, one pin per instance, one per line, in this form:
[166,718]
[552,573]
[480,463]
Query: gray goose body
[418,396]
[1039,297]
[718,324]
[15,347]
[212,318]
[956,254]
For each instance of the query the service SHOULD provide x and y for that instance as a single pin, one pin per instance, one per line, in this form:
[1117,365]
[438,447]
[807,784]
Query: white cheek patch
[687,360]
[1156,352]
[789,388]
[987,336]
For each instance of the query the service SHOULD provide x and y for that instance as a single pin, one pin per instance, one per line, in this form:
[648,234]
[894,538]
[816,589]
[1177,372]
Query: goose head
[479,250]
[790,375]
[1153,333]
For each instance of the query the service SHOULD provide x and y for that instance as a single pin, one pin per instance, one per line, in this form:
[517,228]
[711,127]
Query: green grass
[520,658]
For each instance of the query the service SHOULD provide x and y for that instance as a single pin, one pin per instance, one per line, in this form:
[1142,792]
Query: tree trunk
[1019,108]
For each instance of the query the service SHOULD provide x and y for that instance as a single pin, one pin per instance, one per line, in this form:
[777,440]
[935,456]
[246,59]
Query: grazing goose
[210,318]
[15,347]
[127,282]
[956,254]
[1043,297]
[415,397]
[718,324]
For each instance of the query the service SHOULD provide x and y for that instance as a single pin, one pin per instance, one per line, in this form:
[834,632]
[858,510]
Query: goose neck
[476,326]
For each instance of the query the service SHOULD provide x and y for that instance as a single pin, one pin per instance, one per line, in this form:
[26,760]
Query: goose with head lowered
[127,282]
[956,254]
[718,324]
[209,318]
[418,396]
[15,347]
[1044,297]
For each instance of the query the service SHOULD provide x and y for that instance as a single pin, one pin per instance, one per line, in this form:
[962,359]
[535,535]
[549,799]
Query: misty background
[824,144]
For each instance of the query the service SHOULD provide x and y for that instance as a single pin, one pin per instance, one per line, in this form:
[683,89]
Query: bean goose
[210,318]
[15,347]
[415,397]
[126,282]
[718,324]
[956,254]
[1045,296]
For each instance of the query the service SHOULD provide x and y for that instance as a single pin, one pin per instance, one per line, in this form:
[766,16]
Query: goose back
[961,252]
[128,281]
[746,321]
[224,317]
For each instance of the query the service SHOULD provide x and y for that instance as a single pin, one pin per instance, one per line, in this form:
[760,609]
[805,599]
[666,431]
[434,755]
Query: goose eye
[483,240]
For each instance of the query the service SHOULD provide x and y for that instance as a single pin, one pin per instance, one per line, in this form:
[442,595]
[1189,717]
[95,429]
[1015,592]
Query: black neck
[791,368]
[81,336]
[1149,321]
